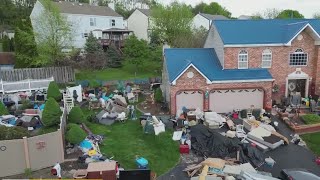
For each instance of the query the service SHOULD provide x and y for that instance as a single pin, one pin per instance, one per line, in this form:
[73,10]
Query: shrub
[94,84]
[76,116]
[311,118]
[51,113]
[3,109]
[26,104]
[158,95]
[75,134]
[8,133]
[53,91]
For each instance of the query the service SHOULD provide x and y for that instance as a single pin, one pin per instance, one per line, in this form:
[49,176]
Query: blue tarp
[86,144]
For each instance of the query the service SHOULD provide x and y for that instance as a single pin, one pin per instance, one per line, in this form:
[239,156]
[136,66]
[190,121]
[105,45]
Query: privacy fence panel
[63,74]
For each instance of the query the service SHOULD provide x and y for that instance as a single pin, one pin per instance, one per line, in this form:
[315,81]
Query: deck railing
[24,85]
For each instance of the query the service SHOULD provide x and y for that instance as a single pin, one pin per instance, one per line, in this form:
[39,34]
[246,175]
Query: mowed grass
[311,118]
[313,142]
[127,140]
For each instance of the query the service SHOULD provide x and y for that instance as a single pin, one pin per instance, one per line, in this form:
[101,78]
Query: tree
[271,13]
[158,95]
[25,45]
[213,8]
[288,13]
[114,57]
[316,15]
[170,21]
[75,134]
[53,91]
[123,11]
[3,109]
[194,39]
[52,33]
[95,57]
[76,116]
[6,44]
[257,16]
[92,45]
[135,51]
[51,113]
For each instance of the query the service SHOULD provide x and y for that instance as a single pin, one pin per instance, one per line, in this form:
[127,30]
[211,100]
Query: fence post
[29,84]
[2,86]
[26,152]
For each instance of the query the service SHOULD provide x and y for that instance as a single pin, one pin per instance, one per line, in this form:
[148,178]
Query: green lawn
[313,141]
[123,73]
[311,118]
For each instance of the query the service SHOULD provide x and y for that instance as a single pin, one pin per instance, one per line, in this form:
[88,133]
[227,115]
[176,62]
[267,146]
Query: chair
[240,133]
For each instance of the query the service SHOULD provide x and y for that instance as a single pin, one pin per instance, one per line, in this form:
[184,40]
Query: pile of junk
[232,144]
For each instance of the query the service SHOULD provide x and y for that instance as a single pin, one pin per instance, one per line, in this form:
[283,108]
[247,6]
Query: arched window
[266,58]
[298,58]
[243,59]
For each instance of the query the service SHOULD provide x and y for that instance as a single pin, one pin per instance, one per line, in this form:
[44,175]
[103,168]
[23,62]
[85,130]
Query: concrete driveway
[290,156]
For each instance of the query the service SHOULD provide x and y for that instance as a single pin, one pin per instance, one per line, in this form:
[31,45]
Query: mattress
[265,137]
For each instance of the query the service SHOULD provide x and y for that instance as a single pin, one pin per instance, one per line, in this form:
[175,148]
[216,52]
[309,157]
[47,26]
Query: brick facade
[198,82]
[280,68]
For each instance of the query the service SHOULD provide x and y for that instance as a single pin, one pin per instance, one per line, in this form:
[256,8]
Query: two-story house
[102,21]
[242,63]
[204,20]
[140,23]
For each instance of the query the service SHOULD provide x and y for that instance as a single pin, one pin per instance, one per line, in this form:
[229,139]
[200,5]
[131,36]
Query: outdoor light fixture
[207,93]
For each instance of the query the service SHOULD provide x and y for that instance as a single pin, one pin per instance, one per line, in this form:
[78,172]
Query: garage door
[189,99]
[222,101]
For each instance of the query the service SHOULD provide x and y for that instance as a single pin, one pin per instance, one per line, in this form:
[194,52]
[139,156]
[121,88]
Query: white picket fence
[24,85]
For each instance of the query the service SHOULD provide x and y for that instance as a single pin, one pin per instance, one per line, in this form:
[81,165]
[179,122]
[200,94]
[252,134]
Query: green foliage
[313,141]
[8,133]
[94,84]
[26,104]
[135,51]
[212,8]
[5,44]
[92,45]
[53,91]
[28,172]
[316,15]
[51,113]
[3,109]
[25,45]
[288,13]
[158,95]
[194,39]
[12,11]
[120,9]
[114,57]
[311,118]
[172,20]
[76,116]
[256,16]
[75,134]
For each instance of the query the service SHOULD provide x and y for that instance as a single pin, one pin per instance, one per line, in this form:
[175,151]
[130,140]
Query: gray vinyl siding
[165,82]
[214,41]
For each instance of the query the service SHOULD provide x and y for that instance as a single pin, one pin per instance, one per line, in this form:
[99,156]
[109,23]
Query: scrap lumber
[204,172]
[193,167]
[280,136]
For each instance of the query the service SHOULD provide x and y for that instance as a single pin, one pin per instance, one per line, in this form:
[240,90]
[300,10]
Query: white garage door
[189,99]
[223,101]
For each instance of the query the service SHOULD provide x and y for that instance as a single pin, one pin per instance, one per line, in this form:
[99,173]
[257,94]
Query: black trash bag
[252,155]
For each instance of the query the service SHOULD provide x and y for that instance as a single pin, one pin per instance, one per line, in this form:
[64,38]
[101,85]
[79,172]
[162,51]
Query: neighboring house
[205,20]
[242,63]
[6,30]
[102,21]
[245,17]
[140,23]
[7,61]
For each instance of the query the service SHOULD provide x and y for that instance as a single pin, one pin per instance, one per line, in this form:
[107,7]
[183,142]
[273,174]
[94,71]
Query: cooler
[142,163]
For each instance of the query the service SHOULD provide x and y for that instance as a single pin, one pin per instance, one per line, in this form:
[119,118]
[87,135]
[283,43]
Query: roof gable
[146,12]
[213,17]
[267,31]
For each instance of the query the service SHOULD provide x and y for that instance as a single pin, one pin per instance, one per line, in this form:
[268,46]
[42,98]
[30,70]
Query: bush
[76,116]
[8,133]
[94,84]
[311,118]
[53,91]
[3,109]
[51,113]
[26,104]
[158,95]
[75,134]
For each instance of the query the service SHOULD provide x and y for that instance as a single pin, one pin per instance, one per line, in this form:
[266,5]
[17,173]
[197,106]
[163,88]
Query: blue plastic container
[142,163]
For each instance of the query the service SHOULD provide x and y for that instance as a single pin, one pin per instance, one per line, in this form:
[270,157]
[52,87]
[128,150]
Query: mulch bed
[154,109]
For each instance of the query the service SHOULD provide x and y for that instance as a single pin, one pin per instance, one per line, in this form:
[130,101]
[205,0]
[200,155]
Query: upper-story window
[298,58]
[243,59]
[266,58]
[93,22]
[112,22]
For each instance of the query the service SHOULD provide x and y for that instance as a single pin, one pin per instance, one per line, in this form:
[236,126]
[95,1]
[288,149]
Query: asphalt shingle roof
[207,62]
[85,8]
[266,31]
[146,12]
[213,17]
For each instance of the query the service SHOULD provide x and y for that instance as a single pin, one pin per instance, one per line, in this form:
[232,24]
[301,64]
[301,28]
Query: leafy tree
[316,15]
[271,13]
[76,115]
[122,10]
[114,57]
[3,109]
[75,134]
[94,84]
[52,33]
[53,91]
[25,45]
[51,113]
[135,51]
[92,45]
[172,20]
[195,39]
[6,44]
[8,133]
[212,8]
[288,13]
[158,95]
[257,16]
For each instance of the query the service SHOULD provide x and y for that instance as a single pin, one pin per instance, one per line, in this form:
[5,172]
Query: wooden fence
[63,74]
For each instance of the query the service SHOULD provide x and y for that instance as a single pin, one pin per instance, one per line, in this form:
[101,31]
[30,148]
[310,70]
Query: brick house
[244,63]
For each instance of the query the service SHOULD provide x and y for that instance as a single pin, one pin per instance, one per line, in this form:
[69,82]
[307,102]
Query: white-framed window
[112,22]
[243,59]
[266,58]
[93,22]
[85,35]
[298,58]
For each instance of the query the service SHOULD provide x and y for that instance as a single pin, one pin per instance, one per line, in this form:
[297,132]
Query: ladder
[68,102]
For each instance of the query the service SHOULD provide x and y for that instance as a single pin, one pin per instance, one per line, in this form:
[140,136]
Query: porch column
[268,97]
[317,73]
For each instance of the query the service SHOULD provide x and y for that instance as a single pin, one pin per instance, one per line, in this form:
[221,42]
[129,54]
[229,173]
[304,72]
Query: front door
[297,85]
